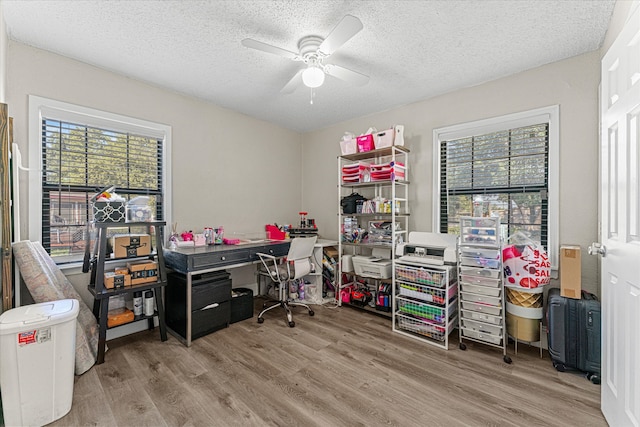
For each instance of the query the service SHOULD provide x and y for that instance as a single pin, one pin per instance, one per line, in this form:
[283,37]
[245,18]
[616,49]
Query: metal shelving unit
[383,176]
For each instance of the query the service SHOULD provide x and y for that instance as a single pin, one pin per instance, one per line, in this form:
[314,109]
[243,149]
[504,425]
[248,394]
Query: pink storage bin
[365,143]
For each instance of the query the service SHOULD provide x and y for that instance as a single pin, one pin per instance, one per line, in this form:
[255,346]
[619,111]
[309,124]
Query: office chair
[296,265]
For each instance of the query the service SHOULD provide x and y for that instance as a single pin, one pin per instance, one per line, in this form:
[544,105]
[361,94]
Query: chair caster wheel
[260,320]
[311,313]
[292,324]
[463,346]
[507,359]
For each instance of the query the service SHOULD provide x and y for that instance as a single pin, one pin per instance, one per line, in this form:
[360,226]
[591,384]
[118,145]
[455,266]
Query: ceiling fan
[312,50]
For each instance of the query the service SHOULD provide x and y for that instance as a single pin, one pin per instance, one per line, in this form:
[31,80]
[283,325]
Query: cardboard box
[113,280]
[131,245]
[570,275]
[143,272]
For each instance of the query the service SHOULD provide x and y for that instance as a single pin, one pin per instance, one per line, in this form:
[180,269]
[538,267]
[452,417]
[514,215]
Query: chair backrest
[300,253]
[301,247]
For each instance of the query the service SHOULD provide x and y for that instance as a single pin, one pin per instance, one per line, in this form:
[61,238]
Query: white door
[620,227]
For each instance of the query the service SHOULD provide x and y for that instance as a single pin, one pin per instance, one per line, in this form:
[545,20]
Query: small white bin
[37,358]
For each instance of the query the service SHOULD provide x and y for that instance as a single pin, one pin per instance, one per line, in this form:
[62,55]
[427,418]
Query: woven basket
[523,298]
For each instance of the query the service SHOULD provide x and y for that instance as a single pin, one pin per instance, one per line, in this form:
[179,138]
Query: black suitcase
[574,333]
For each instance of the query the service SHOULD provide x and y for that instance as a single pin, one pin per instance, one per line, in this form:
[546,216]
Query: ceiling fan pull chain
[311,97]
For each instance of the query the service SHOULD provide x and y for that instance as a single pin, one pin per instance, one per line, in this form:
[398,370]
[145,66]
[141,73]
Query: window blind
[503,173]
[77,161]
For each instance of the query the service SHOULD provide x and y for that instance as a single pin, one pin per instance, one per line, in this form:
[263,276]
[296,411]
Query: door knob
[597,249]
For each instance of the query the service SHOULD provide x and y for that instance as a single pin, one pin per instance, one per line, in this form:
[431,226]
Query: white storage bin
[37,358]
[482,327]
[487,318]
[481,290]
[482,231]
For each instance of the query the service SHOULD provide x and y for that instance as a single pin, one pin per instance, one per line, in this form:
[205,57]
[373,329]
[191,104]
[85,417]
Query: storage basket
[424,311]
[421,275]
[420,327]
[524,298]
[425,293]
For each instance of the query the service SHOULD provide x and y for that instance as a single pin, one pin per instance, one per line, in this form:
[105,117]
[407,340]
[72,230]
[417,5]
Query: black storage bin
[241,304]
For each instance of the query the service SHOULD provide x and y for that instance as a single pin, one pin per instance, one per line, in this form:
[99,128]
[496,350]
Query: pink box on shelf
[365,143]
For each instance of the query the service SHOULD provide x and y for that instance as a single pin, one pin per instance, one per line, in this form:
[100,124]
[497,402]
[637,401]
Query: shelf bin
[37,358]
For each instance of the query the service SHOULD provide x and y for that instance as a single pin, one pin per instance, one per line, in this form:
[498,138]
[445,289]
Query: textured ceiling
[412,50]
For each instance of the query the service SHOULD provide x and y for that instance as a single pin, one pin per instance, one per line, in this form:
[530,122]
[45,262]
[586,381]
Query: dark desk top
[197,258]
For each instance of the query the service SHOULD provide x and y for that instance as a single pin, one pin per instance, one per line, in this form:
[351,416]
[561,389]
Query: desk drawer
[218,259]
[205,289]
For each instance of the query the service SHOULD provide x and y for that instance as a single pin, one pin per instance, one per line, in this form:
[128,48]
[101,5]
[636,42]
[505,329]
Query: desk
[206,259]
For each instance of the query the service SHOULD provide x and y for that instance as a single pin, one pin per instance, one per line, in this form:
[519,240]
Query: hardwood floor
[342,367]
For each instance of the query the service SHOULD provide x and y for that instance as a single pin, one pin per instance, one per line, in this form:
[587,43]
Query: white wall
[3,55]
[226,165]
[572,83]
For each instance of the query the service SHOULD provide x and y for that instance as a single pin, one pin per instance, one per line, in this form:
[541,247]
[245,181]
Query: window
[81,151]
[501,167]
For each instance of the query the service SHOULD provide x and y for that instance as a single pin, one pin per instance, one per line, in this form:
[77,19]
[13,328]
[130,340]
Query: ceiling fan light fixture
[313,76]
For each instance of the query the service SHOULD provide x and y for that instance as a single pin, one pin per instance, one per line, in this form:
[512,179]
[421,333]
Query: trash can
[37,358]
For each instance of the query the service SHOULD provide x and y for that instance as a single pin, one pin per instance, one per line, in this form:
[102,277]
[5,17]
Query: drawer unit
[482,298]
[210,303]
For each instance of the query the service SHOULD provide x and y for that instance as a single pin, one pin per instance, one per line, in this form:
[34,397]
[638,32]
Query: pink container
[365,143]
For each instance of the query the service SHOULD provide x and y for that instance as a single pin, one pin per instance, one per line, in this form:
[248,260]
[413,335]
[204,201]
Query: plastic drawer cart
[481,297]
[37,357]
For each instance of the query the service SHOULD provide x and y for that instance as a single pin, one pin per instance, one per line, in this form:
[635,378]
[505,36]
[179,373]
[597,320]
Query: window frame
[40,108]
[550,115]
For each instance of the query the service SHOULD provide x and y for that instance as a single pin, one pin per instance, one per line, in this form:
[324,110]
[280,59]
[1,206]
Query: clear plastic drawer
[493,339]
[482,327]
[480,262]
[481,272]
[487,318]
[477,280]
[483,231]
[481,308]
[470,251]
[481,299]
[481,290]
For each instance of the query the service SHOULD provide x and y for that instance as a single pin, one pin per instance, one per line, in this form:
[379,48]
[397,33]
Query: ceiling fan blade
[347,28]
[295,81]
[255,44]
[349,76]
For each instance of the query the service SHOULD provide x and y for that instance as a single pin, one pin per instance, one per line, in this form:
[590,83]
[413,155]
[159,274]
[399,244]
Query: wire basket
[420,327]
[426,293]
[424,311]
[421,275]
